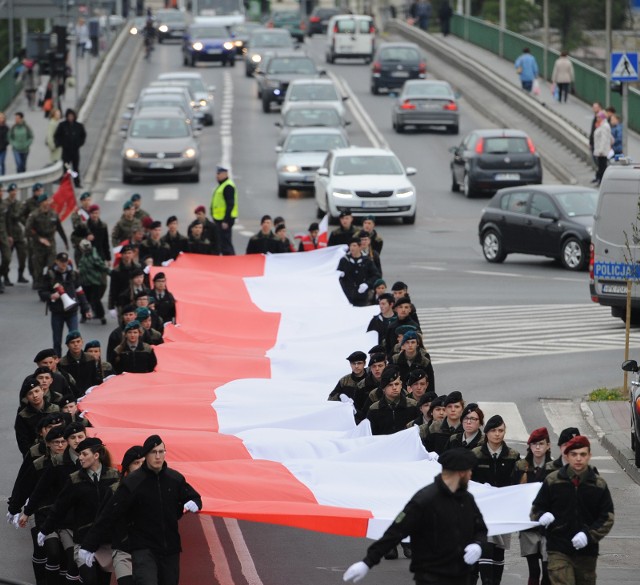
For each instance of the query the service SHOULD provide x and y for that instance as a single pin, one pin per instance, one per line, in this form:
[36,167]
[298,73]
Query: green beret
[41,198]
[37,186]
[127,205]
[135,324]
[12,187]
[142,313]
[91,344]
[85,195]
[74,334]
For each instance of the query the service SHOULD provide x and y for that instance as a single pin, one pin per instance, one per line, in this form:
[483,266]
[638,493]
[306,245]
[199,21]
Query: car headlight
[163,28]
[342,194]
[131,153]
[228,45]
[203,103]
[189,153]
[133,30]
[197,46]
[290,169]
[404,193]
[238,43]
[256,58]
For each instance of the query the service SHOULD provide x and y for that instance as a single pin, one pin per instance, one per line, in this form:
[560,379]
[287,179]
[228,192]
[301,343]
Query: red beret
[579,442]
[541,434]
[94,208]
[199,209]
[147,221]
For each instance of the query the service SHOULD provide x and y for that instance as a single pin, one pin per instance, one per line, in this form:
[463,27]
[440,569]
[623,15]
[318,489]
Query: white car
[313,90]
[365,181]
[202,93]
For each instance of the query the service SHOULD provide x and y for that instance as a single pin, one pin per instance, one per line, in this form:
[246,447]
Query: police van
[615,243]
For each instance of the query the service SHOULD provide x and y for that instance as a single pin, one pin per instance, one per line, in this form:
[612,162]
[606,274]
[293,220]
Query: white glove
[579,541]
[113,313]
[345,399]
[340,274]
[146,269]
[9,517]
[167,262]
[86,558]
[16,521]
[41,538]
[546,519]
[472,553]
[363,287]
[191,506]
[356,572]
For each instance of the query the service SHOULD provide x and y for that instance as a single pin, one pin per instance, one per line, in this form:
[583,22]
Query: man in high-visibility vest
[224,209]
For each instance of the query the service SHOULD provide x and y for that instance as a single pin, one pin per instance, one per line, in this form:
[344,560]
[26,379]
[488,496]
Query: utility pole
[503,26]
[545,58]
[608,48]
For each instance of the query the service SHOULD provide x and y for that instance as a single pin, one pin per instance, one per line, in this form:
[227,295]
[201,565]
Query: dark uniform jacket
[30,473]
[140,360]
[210,231]
[422,361]
[158,251]
[341,236]
[435,437]
[391,338]
[387,417]
[152,336]
[457,440]
[262,244]
[177,243]
[115,339]
[441,524]
[165,306]
[82,498]
[100,238]
[380,325]
[85,370]
[357,271]
[499,471]
[120,279]
[200,245]
[70,280]
[151,504]
[70,136]
[587,508]
[27,421]
[346,385]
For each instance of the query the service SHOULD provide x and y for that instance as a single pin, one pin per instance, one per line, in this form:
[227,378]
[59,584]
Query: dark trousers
[602,163]
[224,237]
[427,579]
[58,321]
[563,91]
[72,158]
[152,569]
[94,296]
[572,570]
[21,251]
[21,161]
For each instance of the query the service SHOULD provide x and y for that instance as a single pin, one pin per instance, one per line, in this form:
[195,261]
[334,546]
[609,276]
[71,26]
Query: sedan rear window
[159,128]
[312,117]
[504,145]
[428,90]
[367,165]
[314,143]
[210,32]
[300,66]
[399,54]
[313,92]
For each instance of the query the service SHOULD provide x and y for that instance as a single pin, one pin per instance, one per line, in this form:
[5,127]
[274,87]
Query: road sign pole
[625,117]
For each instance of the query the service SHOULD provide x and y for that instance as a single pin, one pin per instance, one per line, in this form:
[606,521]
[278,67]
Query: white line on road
[221,569]
[242,551]
[246,233]
[166,194]
[115,194]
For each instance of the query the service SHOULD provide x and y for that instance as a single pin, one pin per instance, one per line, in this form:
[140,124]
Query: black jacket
[115,339]
[150,505]
[176,244]
[380,325]
[391,338]
[70,136]
[100,238]
[499,472]
[387,418]
[165,306]
[70,280]
[262,244]
[120,282]
[441,524]
[85,371]
[341,236]
[158,251]
[141,360]
[436,436]
[26,423]
[422,361]
[199,246]
[455,441]
[357,271]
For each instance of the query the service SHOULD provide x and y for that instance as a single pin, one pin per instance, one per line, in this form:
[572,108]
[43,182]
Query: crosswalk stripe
[516,429]
[166,194]
[454,334]
[116,194]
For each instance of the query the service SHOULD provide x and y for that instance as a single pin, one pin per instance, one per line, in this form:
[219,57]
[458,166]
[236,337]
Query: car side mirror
[630,366]
[131,106]
[552,215]
[322,72]
[411,171]
[278,148]
[278,124]
[323,172]
[345,98]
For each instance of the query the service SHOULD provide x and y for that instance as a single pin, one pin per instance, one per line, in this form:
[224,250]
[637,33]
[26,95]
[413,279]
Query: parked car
[632,366]
[546,220]
[265,41]
[309,115]
[395,63]
[320,90]
[350,36]
[487,160]
[280,69]
[289,20]
[171,24]
[319,19]
[203,94]
[208,43]
[365,181]
[160,143]
[426,103]
[303,153]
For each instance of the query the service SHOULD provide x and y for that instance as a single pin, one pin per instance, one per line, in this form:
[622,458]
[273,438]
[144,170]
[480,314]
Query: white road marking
[246,233]
[242,551]
[116,194]
[516,429]
[166,194]
[221,569]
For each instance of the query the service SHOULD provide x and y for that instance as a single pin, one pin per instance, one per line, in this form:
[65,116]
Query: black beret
[364,234]
[314,226]
[136,272]
[171,219]
[130,455]
[280,227]
[493,423]
[357,356]
[129,309]
[427,397]
[29,384]
[467,409]
[438,401]
[44,354]
[160,276]
[54,433]
[74,428]
[402,301]
[377,358]
[415,376]
[458,459]
[155,224]
[389,374]
[42,370]
[399,285]
[126,248]
[345,213]
[376,349]
[453,397]
[567,434]
[135,197]
[62,256]
[89,443]
[91,344]
[150,443]
[56,418]
[67,399]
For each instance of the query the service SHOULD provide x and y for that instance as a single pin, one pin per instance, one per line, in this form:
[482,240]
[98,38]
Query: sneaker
[103,321]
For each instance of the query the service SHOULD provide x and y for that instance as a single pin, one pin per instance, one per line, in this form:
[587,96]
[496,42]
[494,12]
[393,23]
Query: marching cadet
[5,243]
[198,243]
[133,355]
[31,204]
[41,228]
[369,387]
[411,358]
[98,234]
[62,383]
[345,233]
[139,213]
[369,226]
[136,287]
[565,436]
[36,406]
[123,230]
[358,275]
[381,322]
[402,309]
[45,378]
[424,406]
[173,238]
[69,405]
[121,278]
[393,411]
[15,229]
[309,241]
[117,335]
[79,364]
[348,384]
[471,436]
[153,247]
[94,350]
[210,231]
[165,301]
[417,384]
[264,241]
[149,334]
[439,433]
[79,219]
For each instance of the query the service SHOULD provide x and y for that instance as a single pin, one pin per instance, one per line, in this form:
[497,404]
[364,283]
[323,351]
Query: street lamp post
[545,21]
[503,26]
[607,60]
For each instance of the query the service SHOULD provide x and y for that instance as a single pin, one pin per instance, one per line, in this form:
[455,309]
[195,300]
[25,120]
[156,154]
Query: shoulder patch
[399,518]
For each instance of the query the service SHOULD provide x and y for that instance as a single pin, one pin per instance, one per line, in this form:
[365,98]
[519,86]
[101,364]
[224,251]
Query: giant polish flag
[240,399]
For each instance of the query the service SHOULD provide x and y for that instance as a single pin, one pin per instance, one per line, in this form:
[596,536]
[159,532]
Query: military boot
[7,282]
[22,279]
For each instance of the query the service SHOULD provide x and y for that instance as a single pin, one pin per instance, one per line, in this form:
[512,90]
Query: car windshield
[399,54]
[325,12]
[271,39]
[367,165]
[286,15]
[314,142]
[504,145]
[209,32]
[313,92]
[293,65]
[427,90]
[578,203]
[195,83]
[159,128]
[312,117]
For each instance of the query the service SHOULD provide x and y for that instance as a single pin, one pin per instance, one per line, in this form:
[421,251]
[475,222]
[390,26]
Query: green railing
[10,86]
[590,84]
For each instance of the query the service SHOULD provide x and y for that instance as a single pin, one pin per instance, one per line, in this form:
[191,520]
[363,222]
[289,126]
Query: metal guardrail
[10,86]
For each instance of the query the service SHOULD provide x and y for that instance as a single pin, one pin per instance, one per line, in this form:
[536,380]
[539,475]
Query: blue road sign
[624,66]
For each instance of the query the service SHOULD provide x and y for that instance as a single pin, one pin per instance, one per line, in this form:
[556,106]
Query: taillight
[407,105]
[480,146]
[422,68]
[314,19]
[303,25]
[270,24]
[376,67]
[372,29]
[532,148]
[638,406]
[451,106]
[335,28]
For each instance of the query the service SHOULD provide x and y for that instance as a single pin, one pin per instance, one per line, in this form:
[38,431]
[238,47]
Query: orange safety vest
[308,245]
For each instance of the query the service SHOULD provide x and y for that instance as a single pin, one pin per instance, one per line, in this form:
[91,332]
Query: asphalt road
[441,260]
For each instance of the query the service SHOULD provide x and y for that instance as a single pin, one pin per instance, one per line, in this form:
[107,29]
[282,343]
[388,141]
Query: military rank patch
[399,518]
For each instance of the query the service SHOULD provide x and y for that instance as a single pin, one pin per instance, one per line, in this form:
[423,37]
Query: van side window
[365,26]
[540,203]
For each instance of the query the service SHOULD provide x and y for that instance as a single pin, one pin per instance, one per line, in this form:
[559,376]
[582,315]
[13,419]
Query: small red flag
[323,235]
[64,199]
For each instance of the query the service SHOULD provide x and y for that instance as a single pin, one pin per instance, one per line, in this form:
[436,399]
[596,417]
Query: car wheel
[232,63]
[400,128]
[259,93]
[248,72]
[185,60]
[492,247]
[455,186]
[374,89]
[409,220]
[266,105]
[195,178]
[159,40]
[573,255]
[283,192]
[329,58]
[467,186]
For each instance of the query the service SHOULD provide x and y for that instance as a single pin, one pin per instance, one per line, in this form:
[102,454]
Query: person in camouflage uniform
[15,228]
[5,245]
[28,207]
[124,228]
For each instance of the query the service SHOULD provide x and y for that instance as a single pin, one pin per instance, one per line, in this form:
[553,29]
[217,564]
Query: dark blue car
[208,43]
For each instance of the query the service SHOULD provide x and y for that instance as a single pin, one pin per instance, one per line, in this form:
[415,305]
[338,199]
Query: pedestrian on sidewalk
[596,107]
[5,243]
[4,141]
[20,138]
[616,133]
[445,14]
[602,142]
[55,151]
[71,136]
[527,68]
[224,209]
[82,37]
[563,76]
[423,14]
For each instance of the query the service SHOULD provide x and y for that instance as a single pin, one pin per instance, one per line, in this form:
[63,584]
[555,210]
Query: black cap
[314,226]
[567,434]
[55,433]
[453,397]
[493,423]
[357,356]
[42,370]
[345,213]
[151,443]
[129,309]
[160,276]
[91,344]
[44,354]
[130,455]
[73,428]
[136,272]
[62,257]
[376,349]
[171,219]
[364,234]
[427,397]
[89,443]
[471,407]
[389,374]
[376,358]
[438,401]
[155,224]
[399,285]
[67,399]
[415,376]
[126,248]
[29,384]
[458,459]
